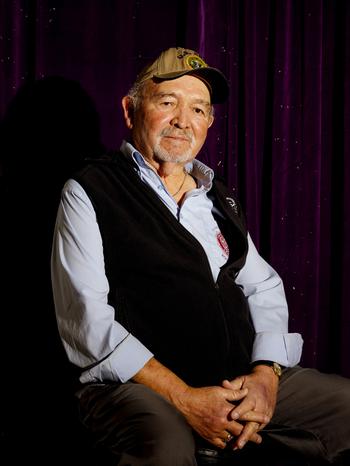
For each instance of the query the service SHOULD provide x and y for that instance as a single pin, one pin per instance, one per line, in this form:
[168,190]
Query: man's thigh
[312,413]
[135,423]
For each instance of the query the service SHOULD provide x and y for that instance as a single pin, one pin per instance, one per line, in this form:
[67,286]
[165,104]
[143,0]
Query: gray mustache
[172,133]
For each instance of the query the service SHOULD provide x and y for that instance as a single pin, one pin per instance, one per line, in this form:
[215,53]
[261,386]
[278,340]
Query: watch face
[277,369]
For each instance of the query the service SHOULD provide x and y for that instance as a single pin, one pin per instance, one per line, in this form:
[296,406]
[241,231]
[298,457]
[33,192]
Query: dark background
[281,142]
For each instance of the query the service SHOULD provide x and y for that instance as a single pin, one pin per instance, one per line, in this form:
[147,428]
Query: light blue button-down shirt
[92,338]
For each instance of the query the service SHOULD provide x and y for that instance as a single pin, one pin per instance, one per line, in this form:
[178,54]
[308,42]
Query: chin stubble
[166,156]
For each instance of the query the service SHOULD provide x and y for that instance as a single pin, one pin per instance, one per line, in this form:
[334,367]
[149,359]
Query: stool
[279,456]
[207,457]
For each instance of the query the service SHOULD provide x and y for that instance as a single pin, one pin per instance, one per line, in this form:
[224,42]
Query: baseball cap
[177,61]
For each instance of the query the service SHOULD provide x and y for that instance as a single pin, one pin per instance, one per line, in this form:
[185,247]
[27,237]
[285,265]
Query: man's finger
[234,384]
[254,416]
[249,433]
[245,406]
[233,395]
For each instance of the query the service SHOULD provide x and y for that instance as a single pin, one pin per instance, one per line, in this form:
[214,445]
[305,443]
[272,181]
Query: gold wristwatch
[277,369]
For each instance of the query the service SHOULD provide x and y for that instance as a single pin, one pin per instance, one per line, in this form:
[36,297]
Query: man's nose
[181,118]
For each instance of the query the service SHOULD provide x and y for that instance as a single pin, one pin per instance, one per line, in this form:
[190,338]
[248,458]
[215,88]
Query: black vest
[161,284]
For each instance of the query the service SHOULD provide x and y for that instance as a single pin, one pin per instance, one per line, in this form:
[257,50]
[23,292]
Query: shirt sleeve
[269,311]
[92,338]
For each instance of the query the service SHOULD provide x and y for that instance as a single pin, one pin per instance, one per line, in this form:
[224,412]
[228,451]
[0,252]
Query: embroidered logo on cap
[195,62]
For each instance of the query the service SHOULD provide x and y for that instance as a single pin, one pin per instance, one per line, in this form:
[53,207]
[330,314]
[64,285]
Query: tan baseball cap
[177,61]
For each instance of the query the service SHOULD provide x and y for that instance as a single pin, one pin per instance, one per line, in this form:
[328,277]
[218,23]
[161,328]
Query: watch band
[277,368]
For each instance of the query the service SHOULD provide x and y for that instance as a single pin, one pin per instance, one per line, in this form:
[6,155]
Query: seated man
[179,326]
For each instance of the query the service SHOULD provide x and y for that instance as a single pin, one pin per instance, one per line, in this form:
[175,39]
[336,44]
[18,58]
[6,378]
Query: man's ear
[128,110]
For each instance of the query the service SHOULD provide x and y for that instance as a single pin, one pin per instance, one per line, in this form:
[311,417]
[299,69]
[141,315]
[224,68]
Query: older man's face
[172,119]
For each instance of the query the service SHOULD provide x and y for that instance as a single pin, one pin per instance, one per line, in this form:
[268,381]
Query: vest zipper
[222,310]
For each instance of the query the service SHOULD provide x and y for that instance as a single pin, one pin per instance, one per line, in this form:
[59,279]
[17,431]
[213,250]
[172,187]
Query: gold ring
[228,438]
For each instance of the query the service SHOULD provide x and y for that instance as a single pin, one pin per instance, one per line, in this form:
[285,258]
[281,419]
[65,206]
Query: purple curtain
[281,141]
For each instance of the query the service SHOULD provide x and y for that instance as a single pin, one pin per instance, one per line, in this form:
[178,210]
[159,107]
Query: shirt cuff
[123,363]
[284,348]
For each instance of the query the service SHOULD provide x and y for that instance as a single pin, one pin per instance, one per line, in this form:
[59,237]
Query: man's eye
[199,111]
[167,103]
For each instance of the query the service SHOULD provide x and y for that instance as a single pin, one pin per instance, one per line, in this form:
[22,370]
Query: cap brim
[217,81]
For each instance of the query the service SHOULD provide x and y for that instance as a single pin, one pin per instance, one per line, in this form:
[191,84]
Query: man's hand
[208,410]
[262,385]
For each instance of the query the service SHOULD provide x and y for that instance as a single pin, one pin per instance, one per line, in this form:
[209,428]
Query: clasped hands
[233,414]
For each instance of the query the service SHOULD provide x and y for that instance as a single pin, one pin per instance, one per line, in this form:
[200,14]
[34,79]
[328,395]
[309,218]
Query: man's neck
[166,169]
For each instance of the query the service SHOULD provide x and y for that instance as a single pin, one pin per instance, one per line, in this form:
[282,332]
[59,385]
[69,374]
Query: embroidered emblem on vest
[232,203]
[223,244]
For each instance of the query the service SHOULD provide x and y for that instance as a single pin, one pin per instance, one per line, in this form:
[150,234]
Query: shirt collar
[201,173]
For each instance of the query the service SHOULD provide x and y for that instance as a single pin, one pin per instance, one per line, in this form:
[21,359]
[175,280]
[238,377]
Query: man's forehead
[179,86]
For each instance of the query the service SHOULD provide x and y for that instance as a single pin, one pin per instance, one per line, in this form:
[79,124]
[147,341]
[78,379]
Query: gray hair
[135,93]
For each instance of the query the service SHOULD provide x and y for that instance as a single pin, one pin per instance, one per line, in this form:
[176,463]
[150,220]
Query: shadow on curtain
[49,127]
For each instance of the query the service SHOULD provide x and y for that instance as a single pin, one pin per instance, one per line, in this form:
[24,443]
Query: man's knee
[317,403]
